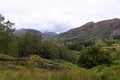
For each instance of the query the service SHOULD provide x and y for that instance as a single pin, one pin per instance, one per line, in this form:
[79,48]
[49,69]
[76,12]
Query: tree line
[29,44]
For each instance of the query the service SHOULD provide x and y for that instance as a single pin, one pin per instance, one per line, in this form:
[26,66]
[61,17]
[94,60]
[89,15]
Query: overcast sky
[58,15]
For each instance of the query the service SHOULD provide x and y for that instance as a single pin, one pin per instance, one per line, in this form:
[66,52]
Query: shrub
[94,56]
[33,60]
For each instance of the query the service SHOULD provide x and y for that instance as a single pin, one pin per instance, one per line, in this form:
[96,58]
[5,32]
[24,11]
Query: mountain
[22,32]
[50,33]
[33,31]
[45,35]
[91,30]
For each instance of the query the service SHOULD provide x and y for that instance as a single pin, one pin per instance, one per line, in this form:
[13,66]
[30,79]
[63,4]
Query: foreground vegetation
[32,70]
[39,74]
[101,72]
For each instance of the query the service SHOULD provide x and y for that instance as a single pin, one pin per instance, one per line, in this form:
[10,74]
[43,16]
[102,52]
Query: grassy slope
[96,73]
[75,73]
[32,73]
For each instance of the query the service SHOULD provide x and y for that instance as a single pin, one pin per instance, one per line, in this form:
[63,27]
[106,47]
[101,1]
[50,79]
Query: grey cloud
[61,27]
[48,26]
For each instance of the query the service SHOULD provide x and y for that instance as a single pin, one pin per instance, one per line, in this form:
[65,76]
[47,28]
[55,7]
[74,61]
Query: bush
[94,56]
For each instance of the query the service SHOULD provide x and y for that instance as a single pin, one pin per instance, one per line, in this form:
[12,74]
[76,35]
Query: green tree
[7,39]
[65,53]
[49,50]
[79,45]
[94,56]
[29,44]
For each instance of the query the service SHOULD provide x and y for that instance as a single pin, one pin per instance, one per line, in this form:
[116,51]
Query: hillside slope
[91,30]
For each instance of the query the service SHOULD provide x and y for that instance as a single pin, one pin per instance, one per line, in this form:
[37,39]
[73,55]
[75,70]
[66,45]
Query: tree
[5,26]
[79,45]
[29,44]
[94,56]
[7,39]
[65,53]
[49,50]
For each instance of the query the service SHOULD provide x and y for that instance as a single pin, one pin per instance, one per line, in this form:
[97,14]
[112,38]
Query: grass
[71,66]
[64,64]
[113,73]
[41,74]
[104,73]
[97,73]
[74,72]
[114,51]
[32,73]
[3,56]
[116,47]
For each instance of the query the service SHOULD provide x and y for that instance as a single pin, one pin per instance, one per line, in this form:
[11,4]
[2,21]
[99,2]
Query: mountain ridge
[91,30]
[45,36]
